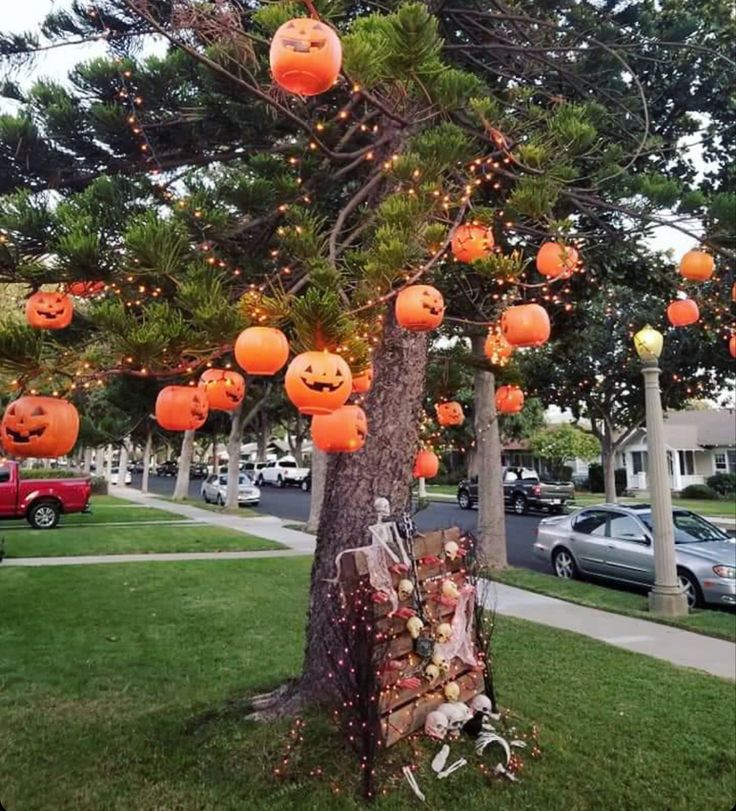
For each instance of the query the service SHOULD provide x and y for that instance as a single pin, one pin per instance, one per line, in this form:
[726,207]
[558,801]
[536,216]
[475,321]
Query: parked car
[522,490]
[214,490]
[115,477]
[306,484]
[282,472]
[615,542]
[198,470]
[40,501]
[253,468]
[168,468]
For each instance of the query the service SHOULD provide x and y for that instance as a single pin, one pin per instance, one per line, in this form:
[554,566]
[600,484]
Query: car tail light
[536,490]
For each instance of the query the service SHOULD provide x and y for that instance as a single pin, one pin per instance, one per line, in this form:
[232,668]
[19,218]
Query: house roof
[715,428]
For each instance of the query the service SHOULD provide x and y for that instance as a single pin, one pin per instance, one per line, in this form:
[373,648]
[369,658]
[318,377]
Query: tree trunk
[100,461]
[108,462]
[262,439]
[123,462]
[87,464]
[181,490]
[491,517]
[382,468]
[146,460]
[234,442]
[608,459]
[319,477]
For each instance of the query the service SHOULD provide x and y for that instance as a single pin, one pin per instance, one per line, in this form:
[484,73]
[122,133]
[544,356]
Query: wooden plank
[407,719]
[396,625]
[433,543]
[392,697]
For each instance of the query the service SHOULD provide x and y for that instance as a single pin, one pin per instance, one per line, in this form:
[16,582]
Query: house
[699,444]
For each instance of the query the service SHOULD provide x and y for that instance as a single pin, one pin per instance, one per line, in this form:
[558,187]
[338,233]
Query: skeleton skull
[414,626]
[432,672]
[482,704]
[452,691]
[451,550]
[440,662]
[456,713]
[406,588]
[382,507]
[449,589]
[435,725]
[444,631]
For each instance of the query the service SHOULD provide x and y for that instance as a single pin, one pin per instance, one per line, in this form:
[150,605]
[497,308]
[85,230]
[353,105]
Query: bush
[699,491]
[595,479]
[723,483]
[99,483]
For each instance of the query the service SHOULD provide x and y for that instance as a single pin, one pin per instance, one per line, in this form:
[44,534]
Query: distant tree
[559,444]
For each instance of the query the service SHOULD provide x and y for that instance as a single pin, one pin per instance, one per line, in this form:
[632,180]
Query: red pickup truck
[40,501]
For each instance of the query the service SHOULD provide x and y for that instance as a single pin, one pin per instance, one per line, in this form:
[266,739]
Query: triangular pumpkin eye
[11,411]
[309,370]
[338,373]
[37,412]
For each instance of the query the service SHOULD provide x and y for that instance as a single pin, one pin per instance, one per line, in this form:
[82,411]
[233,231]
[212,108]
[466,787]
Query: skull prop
[444,632]
[435,725]
[482,704]
[432,672]
[382,508]
[440,662]
[449,589]
[456,713]
[414,626]
[452,691]
[451,550]
[406,589]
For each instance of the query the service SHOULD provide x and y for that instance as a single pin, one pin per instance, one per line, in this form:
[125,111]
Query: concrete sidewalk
[684,648]
[155,557]
[263,526]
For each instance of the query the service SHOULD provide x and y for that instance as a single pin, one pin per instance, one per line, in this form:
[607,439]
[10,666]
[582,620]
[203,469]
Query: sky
[26,15]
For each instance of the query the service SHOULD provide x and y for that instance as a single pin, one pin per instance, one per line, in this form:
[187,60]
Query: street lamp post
[667,598]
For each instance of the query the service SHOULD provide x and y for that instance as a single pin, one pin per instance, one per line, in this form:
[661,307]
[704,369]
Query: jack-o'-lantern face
[420,307]
[342,431]
[318,382]
[223,388]
[49,310]
[363,382]
[305,57]
[39,427]
[181,408]
[449,413]
[472,242]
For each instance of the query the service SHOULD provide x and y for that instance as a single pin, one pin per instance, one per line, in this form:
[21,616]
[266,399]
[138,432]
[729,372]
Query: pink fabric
[461,643]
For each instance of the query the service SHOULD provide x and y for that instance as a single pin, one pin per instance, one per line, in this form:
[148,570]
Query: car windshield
[242,479]
[689,527]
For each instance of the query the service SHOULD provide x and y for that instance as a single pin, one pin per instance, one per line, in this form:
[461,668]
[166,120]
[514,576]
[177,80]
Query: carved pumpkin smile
[39,427]
[320,383]
[420,307]
[223,388]
[305,56]
[26,425]
[49,310]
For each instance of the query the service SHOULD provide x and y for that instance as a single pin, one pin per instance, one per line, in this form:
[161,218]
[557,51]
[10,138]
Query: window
[689,527]
[4,474]
[223,479]
[731,455]
[720,460]
[687,463]
[640,460]
[288,464]
[625,528]
[591,522]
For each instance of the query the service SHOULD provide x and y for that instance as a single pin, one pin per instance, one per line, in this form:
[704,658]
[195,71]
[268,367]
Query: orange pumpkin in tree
[426,465]
[363,382]
[39,427]
[509,400]
[420,307]
[497,349]
[698,266]
[318,382]
[306,56]
[471,242]
[683,312]
[181,408]
[732,345]
[49,310]
[449,413]
[85,289]
[556,260]
[261,350]
[223,388]
[525,325]
[342,431]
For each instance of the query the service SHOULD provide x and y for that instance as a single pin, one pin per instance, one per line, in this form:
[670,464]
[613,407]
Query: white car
[283,472]
[115,477]
[214,490]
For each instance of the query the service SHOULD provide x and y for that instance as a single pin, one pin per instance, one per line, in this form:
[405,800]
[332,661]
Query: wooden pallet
[404,710]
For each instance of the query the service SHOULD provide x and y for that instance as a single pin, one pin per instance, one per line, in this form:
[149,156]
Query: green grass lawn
[725,508]
[243,512]
[703,620]
[122,688]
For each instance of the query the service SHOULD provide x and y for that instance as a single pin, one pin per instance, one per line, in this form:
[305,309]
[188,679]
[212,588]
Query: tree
[559,444]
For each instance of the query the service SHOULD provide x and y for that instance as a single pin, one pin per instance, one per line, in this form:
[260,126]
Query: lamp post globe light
[667,598]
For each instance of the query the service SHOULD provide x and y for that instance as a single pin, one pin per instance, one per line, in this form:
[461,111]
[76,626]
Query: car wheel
[564,564]
[44,515]
[260,481]
[279,482]
[519,504]
[464,500]
[206,500]
[304,486]
[220,502]
[691,587]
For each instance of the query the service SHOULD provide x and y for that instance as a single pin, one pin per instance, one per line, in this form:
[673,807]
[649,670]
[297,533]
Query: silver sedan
[214,490]
[615,541]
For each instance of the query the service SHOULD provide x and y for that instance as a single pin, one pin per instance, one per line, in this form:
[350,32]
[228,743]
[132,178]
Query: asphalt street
[293,505]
